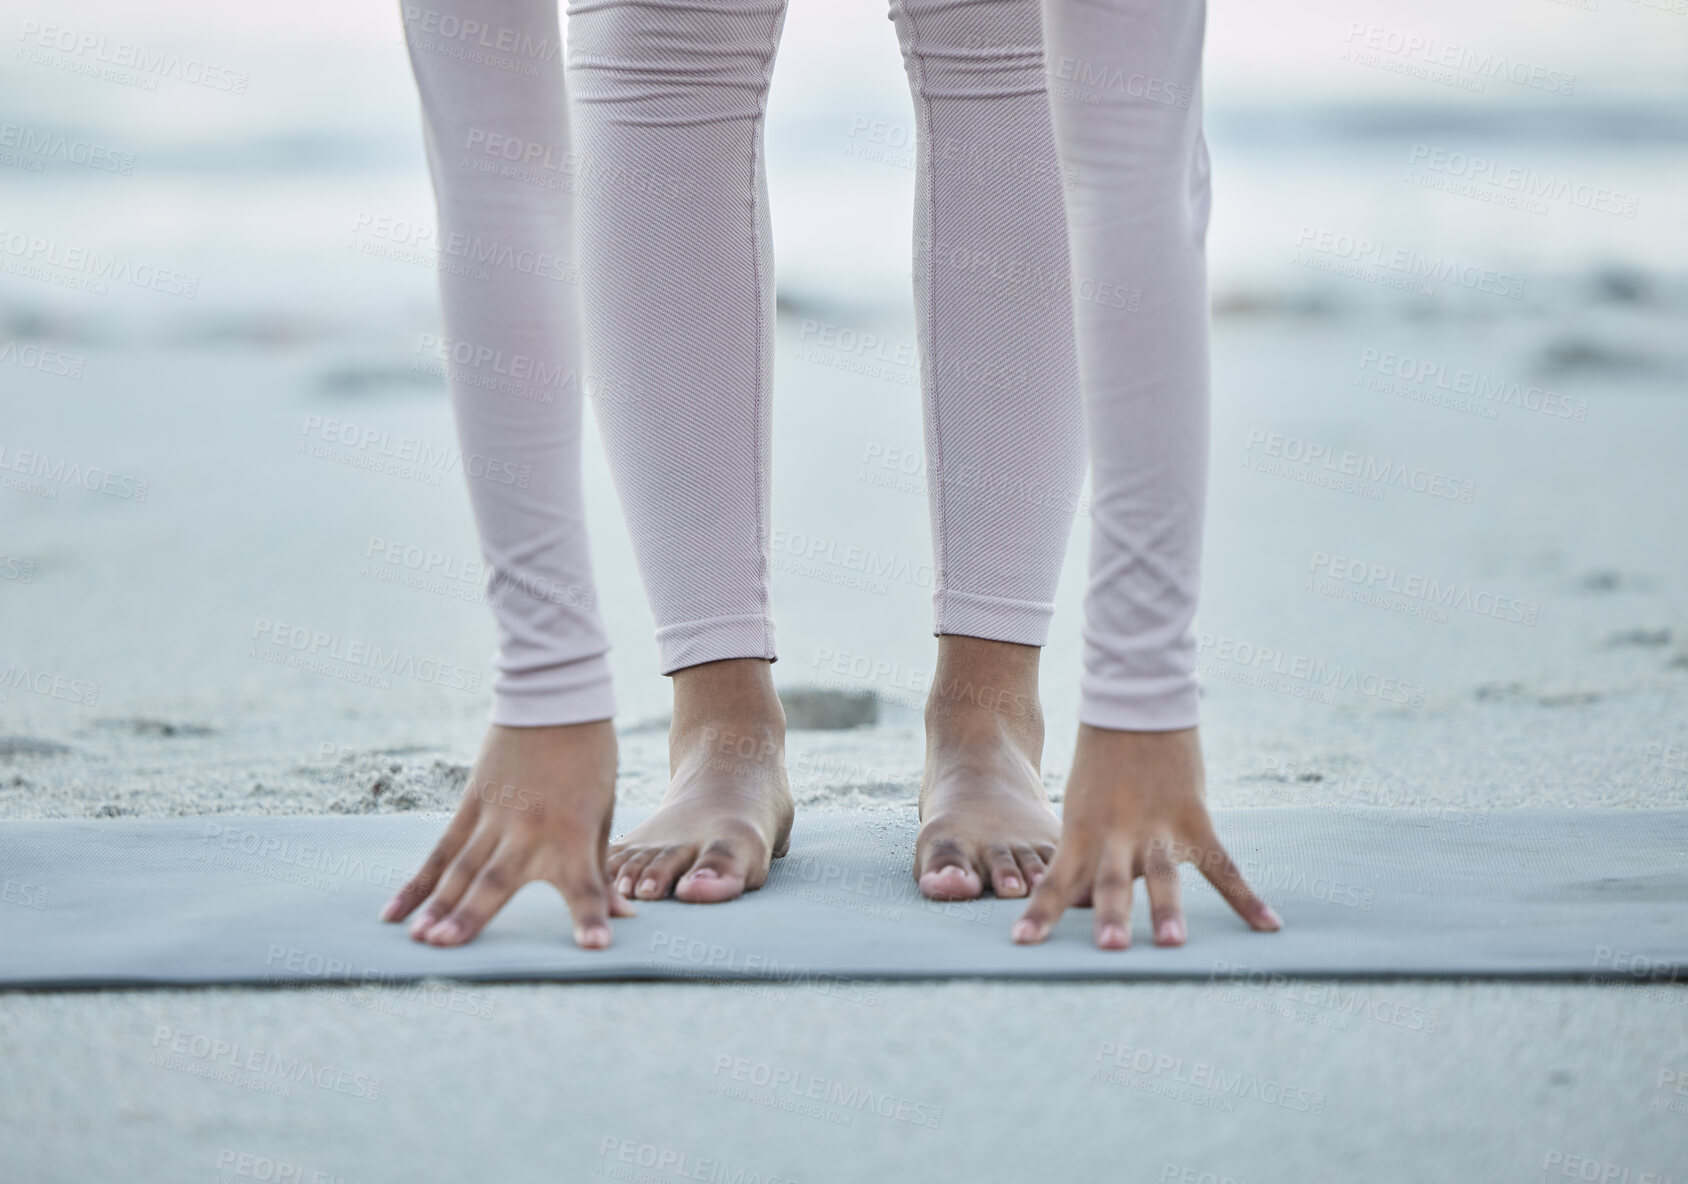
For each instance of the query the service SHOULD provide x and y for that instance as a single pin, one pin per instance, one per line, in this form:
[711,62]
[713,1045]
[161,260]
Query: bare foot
[727,813]
[984,816]
[1136,806]
[537,807]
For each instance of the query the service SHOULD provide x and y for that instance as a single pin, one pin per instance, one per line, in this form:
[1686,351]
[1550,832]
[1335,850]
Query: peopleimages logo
[1523,182]
[317,646]
[1314,671]
[225,1060]
[1407,261]
[1368,44]
[1360,466]
[450,27]
[805,1086]
[1216,1084]
[1425,374]
[682,1165]
[1377,578]
[35,256]
[50,145]
[126,55]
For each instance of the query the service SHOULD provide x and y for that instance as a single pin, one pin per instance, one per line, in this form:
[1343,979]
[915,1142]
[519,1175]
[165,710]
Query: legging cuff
[715,639]
[567,693]
[1141,705]
[1023,622]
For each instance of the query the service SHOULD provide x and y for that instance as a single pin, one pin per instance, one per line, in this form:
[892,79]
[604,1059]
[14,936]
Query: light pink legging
[675,314]
[1125,92]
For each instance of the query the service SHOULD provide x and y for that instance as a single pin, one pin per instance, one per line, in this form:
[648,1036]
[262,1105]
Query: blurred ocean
[259,194]
[1531,154]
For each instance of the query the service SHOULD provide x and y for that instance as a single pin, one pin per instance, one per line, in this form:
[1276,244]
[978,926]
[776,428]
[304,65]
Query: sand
[156,603]
[1522,641]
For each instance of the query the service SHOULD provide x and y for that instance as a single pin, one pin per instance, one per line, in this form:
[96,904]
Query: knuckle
[584,889]
[945,846]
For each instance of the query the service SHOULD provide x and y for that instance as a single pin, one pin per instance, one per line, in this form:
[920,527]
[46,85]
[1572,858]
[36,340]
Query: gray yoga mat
[1577,894]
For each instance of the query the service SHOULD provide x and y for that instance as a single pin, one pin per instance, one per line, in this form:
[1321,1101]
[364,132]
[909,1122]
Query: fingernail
[593,937]
[444,933]
[1112,937]
[1170,933]
[1271,917]
[391,912]
[1025,930]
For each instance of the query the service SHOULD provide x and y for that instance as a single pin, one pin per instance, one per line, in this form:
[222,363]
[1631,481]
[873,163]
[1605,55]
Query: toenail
[1010,881]
[1025,930]
[1112,935]
[702,873]
[646,885]
[1170,932]
[624,886]
[445,931]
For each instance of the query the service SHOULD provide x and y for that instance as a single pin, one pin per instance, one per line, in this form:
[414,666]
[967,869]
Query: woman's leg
[1127,107]
[679,314]
[677,266]
[1004,427]
[513,351]
[542,790]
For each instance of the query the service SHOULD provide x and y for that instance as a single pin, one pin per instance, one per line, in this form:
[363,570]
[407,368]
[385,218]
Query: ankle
[727,710]
[982,687]
[737,689]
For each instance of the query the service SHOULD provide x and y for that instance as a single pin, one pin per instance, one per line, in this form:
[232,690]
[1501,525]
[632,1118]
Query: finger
[1053,894]
[418,888]
[454,882]
[632,869]
[1215,863]
[1112,894]
[1032,866]
[1006,878]
[588,898]
[503,872]
[1166,895]
[657,880]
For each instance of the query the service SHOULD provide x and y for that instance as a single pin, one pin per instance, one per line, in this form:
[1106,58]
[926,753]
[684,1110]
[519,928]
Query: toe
[951,882]
[1006,879]
[946,873]
[718,874]
[631,870]
[657,879]
[1033,867]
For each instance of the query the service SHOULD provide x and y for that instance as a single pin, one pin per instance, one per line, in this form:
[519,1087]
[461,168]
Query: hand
[1135,806]
[537,807]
